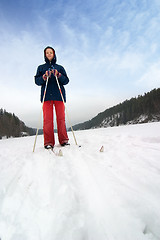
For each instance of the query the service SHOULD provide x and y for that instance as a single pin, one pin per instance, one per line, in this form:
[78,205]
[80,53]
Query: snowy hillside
[85,194]
[114,120]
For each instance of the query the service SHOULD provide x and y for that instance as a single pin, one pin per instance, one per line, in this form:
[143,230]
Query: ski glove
[47,74]
[56,73]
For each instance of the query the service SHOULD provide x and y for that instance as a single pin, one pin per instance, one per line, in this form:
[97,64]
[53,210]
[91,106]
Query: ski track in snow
[85,194]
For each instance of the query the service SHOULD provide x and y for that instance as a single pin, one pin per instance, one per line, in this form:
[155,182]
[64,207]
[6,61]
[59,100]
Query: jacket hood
[46,59]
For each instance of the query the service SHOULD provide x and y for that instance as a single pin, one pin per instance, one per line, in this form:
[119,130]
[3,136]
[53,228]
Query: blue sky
[110,50]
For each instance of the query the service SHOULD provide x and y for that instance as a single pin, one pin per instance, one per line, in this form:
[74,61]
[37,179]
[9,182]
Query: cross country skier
[52,98]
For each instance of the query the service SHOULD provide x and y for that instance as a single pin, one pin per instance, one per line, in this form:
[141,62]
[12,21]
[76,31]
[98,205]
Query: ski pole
[40,113]
[66,111]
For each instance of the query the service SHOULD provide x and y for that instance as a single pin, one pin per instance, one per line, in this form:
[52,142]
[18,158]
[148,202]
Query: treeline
[11,126]
[148,104]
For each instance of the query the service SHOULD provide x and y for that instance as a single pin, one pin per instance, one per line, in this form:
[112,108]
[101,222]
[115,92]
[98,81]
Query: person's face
[49,54]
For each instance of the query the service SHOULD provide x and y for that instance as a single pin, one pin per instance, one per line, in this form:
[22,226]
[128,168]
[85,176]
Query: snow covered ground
[86,194]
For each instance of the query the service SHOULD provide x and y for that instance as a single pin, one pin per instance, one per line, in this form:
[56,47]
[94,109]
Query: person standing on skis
[52,98]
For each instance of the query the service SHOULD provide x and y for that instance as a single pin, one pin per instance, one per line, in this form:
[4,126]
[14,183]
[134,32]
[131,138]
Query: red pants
[48,122]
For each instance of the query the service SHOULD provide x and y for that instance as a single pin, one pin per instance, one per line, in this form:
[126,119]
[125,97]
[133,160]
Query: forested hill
[140,109]
[11,126]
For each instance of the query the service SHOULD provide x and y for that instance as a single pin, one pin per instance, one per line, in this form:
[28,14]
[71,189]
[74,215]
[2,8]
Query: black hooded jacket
[52,92]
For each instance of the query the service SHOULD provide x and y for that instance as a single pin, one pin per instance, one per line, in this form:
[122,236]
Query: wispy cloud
[110,51]
[151,77]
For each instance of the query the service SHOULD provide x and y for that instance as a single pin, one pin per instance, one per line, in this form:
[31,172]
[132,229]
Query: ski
[102,149]
[59,153]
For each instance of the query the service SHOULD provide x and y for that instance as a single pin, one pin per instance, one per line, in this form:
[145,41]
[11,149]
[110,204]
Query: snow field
[86,194]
